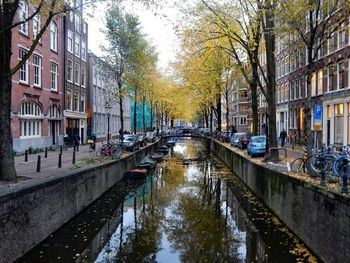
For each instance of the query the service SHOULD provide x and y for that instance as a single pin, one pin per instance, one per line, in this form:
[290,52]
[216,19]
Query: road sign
[318,117]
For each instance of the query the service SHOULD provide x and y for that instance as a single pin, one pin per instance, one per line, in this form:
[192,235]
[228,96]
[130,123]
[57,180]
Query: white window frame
[83,99]
[36,25]
[23,8]
[30,120]
[53,36]
[77,46]
[77,76]
[77,22]
[71,70]
[54,75]
[83,50]
[24,68]
[71,99]
[83,80]
[78,101]
[37,66]
[70,41]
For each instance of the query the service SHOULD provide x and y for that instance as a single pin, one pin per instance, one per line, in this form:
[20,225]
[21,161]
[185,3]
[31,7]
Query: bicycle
[338,163]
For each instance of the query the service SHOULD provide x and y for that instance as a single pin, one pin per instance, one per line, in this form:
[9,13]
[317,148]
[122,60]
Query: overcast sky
[159,29]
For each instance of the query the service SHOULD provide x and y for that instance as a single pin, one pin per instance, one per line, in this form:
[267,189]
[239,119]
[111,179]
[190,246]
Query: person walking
[283,136]
[76,142]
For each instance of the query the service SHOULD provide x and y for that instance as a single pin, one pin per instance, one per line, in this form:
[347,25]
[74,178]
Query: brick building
[37,88]
[75,42]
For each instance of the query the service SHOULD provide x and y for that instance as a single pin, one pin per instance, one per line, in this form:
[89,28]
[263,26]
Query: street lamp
[108,108]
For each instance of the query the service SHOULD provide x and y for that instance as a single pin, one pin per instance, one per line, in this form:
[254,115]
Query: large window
[83,76]
[342,36]
[53,36]
[77,74]
[69,99]
[320,82]
[54,112]
[82,102]
[54,77]
[23,15]
[77,23]
[36,25]
[77,46]
[313,84]
[37,70]
[76,101]
[23,71]
[83,50]
[70,41]
[341,75]
[339,123]
[30,120]
[69,70]
[331,72]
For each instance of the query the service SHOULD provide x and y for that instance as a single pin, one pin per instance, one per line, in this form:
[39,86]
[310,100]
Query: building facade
[37,87]
[75,42]
[103,102]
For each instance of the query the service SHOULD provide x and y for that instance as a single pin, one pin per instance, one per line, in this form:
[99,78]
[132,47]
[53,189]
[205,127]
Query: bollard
[61,149]
[38,164]
[74,148]
[73,161]
[60,160]
[46,152]
[323,172]
[345,171]
[26,156]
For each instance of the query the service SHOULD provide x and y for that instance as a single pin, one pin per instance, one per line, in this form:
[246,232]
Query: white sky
[160,30]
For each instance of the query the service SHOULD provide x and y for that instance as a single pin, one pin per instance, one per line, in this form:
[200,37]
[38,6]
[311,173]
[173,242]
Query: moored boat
[136,174]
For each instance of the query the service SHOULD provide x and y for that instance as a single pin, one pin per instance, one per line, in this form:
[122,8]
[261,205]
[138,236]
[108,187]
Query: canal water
[190,209]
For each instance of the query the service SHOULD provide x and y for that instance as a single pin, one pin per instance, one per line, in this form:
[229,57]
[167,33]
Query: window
[313,84]
[320,82]
[338,123]
[77,74]
[23,71]
[23,15]
[54,73]
[82,102]
[331,78]
[341,75]
[331,43]
[37,70]
[77,23]
[36,25]
[54,113]
[76,101]
[83,50]
[77,46]
[84,28]
[71,15]
[53,36]
[30,124]
[69,70]
[342,36]
[70,41]
[69,99]
[83,76]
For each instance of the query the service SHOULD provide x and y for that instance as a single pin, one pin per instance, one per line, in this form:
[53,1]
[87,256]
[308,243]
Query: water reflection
[198,212]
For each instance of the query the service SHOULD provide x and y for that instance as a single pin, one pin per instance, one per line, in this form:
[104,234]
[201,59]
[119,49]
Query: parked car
[243,141]
[130,143]
[257,145]
[206,131]
[235,138]
[151,136]
[141,137]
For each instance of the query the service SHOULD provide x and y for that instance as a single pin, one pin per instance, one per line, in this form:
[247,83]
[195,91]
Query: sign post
[317,121]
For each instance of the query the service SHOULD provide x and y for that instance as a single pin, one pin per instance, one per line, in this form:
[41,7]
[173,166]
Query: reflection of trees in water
[197,228]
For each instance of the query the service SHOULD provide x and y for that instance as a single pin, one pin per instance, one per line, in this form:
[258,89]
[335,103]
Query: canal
[190,209]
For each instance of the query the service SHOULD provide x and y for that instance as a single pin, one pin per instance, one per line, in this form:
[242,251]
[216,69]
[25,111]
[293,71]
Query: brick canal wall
[320,218]
[31,212]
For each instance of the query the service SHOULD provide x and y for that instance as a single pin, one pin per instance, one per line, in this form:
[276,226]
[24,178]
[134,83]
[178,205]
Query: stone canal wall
[320,218]
[32,211]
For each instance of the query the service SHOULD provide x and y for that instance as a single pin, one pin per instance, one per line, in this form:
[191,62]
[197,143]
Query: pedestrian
[76,142]
[283,136]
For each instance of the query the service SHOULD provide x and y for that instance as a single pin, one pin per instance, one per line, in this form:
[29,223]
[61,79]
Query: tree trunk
[218,111]
[7,166]
[254,93]
[227,110]
[121,111]
[135,110]
[269,36]
[211,119]
[307,109]
[151,122]
[143,114]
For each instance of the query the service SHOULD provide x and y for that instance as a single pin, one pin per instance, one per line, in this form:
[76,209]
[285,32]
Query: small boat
[170,143]
[158,156]
[136,174]
[163,149]
[147,163]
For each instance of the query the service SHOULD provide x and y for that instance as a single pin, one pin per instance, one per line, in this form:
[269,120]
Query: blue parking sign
[318,117]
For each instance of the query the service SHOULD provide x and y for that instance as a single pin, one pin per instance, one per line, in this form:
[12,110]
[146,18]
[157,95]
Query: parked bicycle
[111,149]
